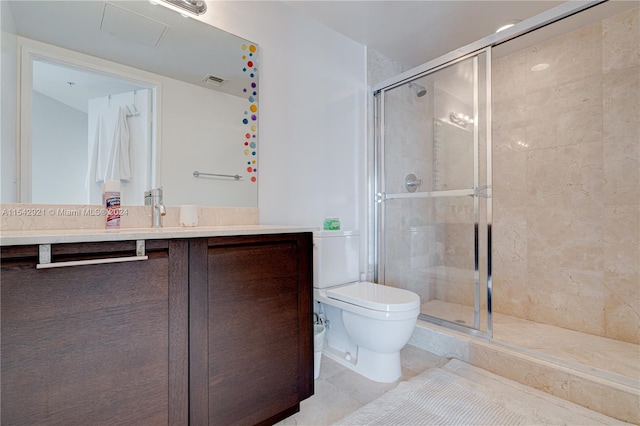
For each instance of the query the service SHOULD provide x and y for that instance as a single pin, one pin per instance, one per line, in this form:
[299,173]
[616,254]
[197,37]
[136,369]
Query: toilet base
[379,367]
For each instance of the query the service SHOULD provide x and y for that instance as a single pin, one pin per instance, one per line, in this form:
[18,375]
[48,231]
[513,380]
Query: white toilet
[366,324]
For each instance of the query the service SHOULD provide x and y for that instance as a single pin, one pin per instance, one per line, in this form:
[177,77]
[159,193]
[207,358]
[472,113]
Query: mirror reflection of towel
[119,162]
[111,159]
[98,165]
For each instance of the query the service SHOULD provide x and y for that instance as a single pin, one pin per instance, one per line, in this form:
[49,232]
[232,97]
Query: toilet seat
[375,297]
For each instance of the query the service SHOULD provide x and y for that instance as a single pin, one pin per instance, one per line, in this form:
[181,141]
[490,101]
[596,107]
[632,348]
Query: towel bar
[44,258]
[198,174]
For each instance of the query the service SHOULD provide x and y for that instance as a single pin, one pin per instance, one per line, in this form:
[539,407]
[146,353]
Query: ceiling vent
[132,26]
[213,80]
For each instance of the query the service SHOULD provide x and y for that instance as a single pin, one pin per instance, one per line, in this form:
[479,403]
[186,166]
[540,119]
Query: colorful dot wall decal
[250,66]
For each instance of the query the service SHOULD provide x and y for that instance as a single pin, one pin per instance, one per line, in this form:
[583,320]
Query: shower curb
[608,394]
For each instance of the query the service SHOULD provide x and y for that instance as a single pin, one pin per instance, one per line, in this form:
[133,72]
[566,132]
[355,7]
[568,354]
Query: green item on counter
[332,224]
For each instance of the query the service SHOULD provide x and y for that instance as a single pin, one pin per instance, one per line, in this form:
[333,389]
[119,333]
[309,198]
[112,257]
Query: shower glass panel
[433,191]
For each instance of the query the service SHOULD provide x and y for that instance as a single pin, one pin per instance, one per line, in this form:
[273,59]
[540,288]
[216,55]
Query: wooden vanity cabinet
[95,344]
[251,333]
[207,331]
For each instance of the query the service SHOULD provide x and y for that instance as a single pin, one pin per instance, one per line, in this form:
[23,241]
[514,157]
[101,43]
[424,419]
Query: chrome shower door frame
[477,191]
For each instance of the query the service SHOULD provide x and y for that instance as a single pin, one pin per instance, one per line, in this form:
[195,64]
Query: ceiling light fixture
[508,25]
[194,7]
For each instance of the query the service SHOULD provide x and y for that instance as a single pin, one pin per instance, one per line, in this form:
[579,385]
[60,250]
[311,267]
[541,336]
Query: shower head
[420,90]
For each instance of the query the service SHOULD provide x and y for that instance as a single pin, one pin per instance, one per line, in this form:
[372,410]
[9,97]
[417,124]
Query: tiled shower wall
[566,177]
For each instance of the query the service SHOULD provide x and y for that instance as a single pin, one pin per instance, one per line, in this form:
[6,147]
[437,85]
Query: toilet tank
[336,258]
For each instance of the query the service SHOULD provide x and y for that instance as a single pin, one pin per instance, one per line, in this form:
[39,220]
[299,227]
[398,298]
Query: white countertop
[57,236]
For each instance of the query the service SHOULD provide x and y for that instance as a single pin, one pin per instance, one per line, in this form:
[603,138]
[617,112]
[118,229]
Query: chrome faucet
[153,198]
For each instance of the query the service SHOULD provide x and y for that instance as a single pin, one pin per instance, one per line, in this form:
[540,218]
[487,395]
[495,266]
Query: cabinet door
[89,345]
[251,329]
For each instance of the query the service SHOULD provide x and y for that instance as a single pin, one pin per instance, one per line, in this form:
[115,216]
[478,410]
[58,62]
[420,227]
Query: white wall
[59,150]
[202,130]
[312,127]
[8,98]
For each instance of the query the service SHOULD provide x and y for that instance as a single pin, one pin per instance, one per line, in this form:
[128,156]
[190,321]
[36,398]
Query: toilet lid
[375,296]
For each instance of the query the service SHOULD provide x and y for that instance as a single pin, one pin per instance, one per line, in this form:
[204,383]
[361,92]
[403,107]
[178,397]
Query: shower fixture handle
[411,183]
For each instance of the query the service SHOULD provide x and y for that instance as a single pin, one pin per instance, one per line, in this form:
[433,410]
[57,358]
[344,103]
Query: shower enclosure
[507,188]
[434,191]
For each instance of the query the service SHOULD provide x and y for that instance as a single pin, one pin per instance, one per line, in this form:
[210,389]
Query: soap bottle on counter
[111,201]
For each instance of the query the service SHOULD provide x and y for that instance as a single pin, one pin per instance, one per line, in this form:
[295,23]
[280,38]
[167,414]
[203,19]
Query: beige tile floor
[339,391]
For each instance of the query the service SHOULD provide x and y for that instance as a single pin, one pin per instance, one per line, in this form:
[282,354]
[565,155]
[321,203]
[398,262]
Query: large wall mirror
[129,91]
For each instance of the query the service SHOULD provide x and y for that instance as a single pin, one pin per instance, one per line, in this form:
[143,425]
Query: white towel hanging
[119,162]
[132,113]
[100,153]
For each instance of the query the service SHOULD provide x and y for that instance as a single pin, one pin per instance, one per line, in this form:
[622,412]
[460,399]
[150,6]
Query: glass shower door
[433,191]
